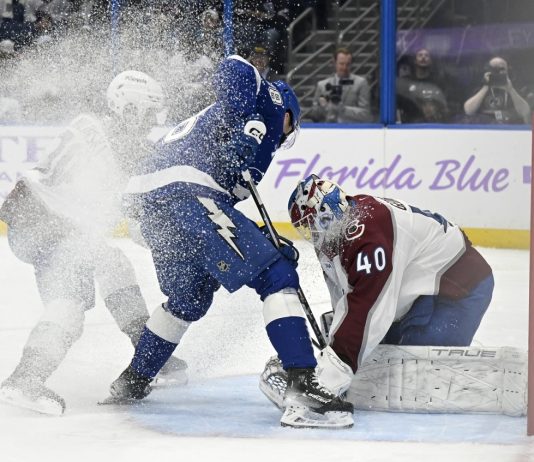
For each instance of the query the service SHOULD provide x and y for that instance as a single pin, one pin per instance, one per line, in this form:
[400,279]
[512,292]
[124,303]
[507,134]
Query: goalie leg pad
[442,380]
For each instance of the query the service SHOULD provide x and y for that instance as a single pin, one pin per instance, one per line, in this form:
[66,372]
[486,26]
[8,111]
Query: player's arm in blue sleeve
[236,85]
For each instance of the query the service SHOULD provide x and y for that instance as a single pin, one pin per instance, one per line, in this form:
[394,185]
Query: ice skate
[308,404]
[173,373]
[129,388]
[30,393]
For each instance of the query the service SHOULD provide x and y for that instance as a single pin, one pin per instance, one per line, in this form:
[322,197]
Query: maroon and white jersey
[391,254]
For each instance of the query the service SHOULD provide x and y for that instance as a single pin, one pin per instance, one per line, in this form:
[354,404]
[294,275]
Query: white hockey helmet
[137,99]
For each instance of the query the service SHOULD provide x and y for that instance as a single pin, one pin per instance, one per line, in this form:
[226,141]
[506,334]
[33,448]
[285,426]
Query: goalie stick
[320,342]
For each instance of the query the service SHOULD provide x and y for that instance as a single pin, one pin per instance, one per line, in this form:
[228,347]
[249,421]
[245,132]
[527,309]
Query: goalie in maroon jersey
[397,275]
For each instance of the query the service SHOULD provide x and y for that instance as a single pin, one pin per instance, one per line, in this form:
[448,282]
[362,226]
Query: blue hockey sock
[290,338]
[151,353]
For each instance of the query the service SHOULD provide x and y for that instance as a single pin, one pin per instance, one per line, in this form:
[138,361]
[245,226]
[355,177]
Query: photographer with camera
[497,102]
[344,97]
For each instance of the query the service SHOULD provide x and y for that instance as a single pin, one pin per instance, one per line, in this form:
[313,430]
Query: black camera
[497,78]
[335,91]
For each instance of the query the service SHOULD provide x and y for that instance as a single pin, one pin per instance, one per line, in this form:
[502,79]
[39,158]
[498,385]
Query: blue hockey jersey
[201,154]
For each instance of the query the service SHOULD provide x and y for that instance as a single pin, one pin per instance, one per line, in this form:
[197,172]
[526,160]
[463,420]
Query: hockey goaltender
[408,293]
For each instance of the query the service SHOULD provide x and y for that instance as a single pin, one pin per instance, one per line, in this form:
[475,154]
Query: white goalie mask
[317,209]
[137,99]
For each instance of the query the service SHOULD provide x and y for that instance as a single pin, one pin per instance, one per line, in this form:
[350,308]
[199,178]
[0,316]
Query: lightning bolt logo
[226,226]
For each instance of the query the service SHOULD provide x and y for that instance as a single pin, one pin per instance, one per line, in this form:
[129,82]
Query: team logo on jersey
[276,96]
[223,266]
[226,226]
[184,128]
[354,230]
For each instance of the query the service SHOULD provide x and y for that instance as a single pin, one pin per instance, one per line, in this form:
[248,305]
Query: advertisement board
[478,178]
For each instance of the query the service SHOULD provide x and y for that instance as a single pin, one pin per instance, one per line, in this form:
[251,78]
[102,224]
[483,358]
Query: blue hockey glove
[287,249]
[250,136]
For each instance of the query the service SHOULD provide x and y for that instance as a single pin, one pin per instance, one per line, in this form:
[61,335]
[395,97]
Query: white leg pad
[166,325]
[442,380]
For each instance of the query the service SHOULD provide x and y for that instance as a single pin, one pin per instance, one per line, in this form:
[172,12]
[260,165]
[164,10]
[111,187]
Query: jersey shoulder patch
[275,95]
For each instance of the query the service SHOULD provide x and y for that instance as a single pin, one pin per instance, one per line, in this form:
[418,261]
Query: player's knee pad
[277,277]
[30,245]
[67,314]
[192,302]
[166,325]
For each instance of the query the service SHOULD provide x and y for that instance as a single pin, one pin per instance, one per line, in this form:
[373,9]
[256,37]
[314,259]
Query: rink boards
[477,177]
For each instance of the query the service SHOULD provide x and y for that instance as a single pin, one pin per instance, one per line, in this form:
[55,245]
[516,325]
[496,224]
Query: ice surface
[221,414]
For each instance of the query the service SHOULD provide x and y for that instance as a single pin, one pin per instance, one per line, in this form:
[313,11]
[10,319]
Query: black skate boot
[128,388]
[308,404]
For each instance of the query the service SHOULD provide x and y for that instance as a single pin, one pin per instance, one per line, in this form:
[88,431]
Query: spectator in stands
[258,21]
[10,108]
[420,94]
[276,36]
[249,23]
[14,27]
[343,97]
[209,39]
[497,101]
[259,58]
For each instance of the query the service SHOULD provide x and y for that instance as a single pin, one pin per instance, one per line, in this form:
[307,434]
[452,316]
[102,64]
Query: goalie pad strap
[442,379]
[165,325]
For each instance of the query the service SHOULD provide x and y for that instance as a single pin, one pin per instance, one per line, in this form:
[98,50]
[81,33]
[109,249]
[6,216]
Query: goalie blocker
[428,379]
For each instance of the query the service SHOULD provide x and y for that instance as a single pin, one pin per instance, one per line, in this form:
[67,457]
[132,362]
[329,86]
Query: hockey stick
[320,343]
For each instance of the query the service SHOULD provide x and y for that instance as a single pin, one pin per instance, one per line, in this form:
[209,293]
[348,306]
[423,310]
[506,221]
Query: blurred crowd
[45,37]
[154,34]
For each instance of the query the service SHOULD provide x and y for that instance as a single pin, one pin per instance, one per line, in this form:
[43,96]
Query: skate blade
[173,379]
[117,401]
[42,404]
[297,417]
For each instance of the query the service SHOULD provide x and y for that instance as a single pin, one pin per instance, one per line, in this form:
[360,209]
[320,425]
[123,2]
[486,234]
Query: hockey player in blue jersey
[184,197]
